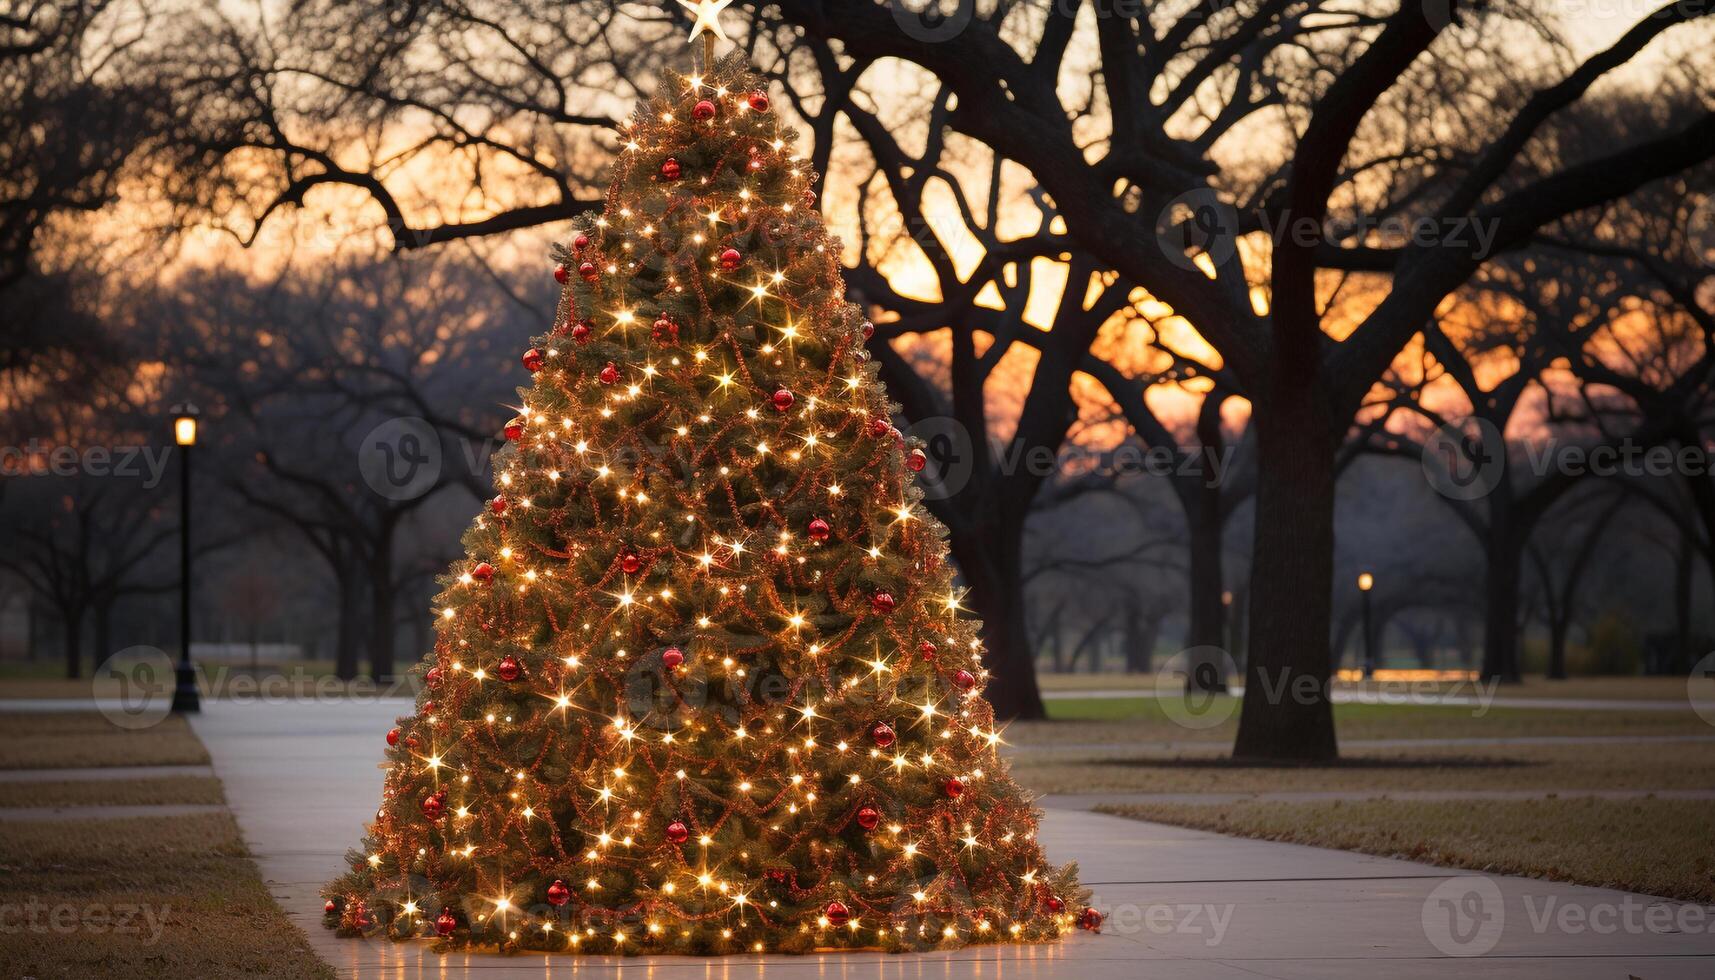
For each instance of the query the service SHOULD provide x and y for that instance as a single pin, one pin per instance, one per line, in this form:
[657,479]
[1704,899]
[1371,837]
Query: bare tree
[1380,111]
[1171,91]
[356,347]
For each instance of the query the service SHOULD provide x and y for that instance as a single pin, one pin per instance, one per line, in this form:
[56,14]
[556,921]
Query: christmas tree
[702,683]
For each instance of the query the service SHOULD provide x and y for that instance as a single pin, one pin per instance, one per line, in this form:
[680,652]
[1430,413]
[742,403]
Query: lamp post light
[1366,582]
[185,696]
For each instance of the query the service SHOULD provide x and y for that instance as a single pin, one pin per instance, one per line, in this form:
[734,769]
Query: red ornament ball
[819,530]
[581,331]
[677,832]
[704,110]
[868,817]
[532,360]
[1056,904]
[445,923]
[509,668]
[670,169]
[672,657]
[434,805]
[837,913]
[558,893]
[498,505]
[330,907]
[393,736]
[731,259]
[630,564]
[665,331]
[964,681]
[609,374]
[926,650]
[483,572]
[882,733]
[581,242]
[879,427]
[589,271]
[781,400]
[953,787]
[915,460]
[758,101]
[868,330]
[427,711]
[561,274]
[514,430]
[1090,919]
[882,603]
[434,677]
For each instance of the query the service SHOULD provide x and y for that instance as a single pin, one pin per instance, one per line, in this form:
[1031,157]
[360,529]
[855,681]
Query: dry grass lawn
[192,902]
[1599,688]
[116,792]
[1679,765]
[1655,847]
[1142,722]
[76,740]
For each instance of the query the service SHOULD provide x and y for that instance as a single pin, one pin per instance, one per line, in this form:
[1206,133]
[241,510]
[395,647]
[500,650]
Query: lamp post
[185,677]
[1366,582]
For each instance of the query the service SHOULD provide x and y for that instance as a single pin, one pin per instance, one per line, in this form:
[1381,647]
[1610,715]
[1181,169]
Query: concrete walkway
[1182,905]
[1085,801]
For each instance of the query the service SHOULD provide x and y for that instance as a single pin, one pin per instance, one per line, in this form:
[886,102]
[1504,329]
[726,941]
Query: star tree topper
[708,14]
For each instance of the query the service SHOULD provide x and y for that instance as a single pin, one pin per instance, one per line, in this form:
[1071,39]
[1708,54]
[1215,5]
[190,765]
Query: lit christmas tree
[702,684]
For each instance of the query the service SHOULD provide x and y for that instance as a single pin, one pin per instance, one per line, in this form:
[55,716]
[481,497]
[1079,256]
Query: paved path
[1184,905]
[100,773]
[1085,801]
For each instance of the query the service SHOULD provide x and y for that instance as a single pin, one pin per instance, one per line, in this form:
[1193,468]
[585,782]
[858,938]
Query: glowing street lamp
[1367,582]
[185,698]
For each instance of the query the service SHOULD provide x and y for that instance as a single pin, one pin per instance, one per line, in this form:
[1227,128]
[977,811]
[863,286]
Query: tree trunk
[348,631]
[1684,575]
[381,636]
[1140,643]
[1500,610]
[1558,627]
[103,619]
[992,569]
[73,643]
[1287,714]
